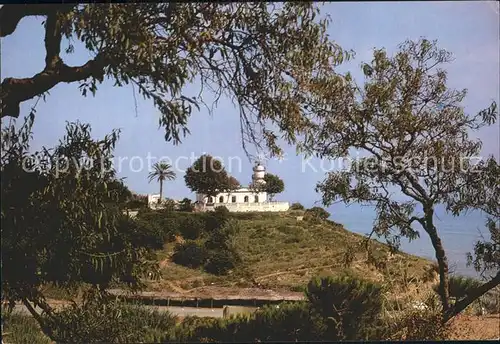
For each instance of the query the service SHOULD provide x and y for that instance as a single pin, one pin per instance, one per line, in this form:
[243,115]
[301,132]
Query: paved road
[179,311]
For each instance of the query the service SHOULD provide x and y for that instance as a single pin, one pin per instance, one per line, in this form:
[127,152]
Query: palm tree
[161,171]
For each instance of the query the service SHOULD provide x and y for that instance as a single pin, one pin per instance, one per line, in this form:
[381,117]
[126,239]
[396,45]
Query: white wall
[248,207]
[239,195]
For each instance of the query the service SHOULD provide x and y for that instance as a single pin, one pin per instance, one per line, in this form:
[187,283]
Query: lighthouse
[259,172]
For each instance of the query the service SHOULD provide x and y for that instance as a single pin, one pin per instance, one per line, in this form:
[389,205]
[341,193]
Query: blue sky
[468,29]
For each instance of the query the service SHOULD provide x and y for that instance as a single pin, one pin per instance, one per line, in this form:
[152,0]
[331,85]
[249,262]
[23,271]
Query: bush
[222,252]
[352,306]
[191,227]
[171,227]
[317,213]
[219,262]
[217,218]
[190,254]
[175,223]
[190,328]
[168,205]
[223,237]
[414,324]
[285,322]
[137,204]
[146,233]
[100,320]
[296,206]
[186,205]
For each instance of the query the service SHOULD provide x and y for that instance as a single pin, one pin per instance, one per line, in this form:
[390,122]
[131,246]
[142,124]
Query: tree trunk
[440,257]
[161,191]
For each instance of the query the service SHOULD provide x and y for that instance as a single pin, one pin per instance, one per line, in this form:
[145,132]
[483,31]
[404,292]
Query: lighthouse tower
[259,172]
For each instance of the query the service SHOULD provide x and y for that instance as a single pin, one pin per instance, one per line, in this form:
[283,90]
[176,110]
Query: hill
[280,252]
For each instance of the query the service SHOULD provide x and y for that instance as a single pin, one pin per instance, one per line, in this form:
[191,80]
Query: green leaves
[274,184]
[63,222]
[262,56]
[208,176]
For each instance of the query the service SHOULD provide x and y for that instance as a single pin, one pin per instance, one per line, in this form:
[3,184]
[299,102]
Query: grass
[21,328]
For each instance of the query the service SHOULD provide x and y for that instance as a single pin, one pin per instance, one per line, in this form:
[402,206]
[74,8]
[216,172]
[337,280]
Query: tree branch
[471,297]
[15,91]
[11,15]
[33,312]
[53,38]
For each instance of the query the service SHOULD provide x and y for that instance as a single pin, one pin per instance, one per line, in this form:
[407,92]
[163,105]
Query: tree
[122,192]
[231,185]
[161,172]
[207,176]
[186,205]
[222,254]
[317,213]
[416,136]
[61,221]
[260,54]
[481,190]
[274,185]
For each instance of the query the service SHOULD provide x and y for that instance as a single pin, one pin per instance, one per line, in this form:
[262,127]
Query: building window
[246,199]
[233,199]
[256,199]
[221,199]
[210,200]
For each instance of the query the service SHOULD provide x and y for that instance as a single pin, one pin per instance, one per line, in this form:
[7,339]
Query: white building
[242,199]
[154,201]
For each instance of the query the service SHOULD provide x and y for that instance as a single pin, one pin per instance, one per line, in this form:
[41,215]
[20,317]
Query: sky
[470,30]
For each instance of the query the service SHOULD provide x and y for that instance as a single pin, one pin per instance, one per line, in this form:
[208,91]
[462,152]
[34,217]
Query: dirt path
[469,327]
[259,278]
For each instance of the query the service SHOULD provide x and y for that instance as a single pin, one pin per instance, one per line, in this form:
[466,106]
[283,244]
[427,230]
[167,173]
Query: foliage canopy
[259,54]
[416,137]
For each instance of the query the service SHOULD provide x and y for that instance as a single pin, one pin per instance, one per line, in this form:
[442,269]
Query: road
[178,311]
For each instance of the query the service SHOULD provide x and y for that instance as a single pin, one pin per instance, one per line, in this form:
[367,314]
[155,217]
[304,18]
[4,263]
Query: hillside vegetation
[281,252]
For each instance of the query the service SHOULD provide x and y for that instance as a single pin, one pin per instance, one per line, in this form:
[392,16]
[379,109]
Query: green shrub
[186,205]
[190,328]
[222,254]
[171,227]
[191,227]
[147,233]
[169,205]
[99,320]
[137,204]
[285,322]
[216,219]
[190,254]
[219,262]
[223,237]
[351,305]
[317,213]
[296,206]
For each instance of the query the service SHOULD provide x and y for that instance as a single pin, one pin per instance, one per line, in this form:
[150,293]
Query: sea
[458,233]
